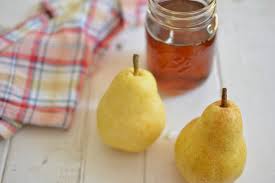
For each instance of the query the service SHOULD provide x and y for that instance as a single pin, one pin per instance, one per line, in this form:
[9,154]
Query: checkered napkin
[43,61]
[134,12]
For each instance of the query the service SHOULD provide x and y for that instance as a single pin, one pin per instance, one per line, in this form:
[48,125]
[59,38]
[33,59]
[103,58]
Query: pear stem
[135,63]
[224,98]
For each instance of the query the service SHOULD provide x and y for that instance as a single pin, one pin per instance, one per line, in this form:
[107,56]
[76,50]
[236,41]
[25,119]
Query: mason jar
[180,42]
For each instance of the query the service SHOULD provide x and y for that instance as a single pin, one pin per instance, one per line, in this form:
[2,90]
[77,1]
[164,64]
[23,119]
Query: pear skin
[211,148]
[131,115]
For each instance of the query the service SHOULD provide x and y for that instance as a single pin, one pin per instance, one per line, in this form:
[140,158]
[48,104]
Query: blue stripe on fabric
[104,28]
[20,65]
[41,64]
[14,35]
[74,23]
[11,79]
[35,50]
[77,51]
[109,8]
[19,97]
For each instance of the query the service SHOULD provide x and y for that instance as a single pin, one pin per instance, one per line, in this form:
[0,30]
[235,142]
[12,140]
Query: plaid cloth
[43,61]
[134,12]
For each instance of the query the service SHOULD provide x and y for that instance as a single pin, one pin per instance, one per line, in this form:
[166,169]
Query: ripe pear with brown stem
[131,115]
[211,148]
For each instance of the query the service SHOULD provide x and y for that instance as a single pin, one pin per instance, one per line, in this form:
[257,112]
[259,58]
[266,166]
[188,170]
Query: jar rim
[188,13]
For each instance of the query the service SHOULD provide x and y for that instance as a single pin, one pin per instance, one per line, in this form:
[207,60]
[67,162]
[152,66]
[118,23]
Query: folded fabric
[134,12]
[43,61]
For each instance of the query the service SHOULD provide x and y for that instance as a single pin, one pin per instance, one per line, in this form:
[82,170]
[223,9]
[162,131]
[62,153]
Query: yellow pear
[130,115]
[211,148]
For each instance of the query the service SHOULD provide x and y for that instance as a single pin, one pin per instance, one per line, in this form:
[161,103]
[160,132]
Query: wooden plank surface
[160,165]
[245,63]
[11,15]
[246,52]
[4,152]
[49,155]
[155,165]
[103,164]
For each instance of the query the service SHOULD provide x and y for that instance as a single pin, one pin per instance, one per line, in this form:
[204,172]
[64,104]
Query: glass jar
[180,42]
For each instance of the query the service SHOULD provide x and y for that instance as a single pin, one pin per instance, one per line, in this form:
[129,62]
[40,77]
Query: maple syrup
[180,42]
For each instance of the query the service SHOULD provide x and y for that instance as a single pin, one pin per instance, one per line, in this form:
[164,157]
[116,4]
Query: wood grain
[160,165]
[104,164]
[246,52]
[49,155]
[4,153]
[244,65]
[10,16]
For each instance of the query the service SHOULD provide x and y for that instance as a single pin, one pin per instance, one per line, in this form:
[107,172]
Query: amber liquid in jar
[179,68]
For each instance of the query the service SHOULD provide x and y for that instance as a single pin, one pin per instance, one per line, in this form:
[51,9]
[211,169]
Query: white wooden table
[245,65]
